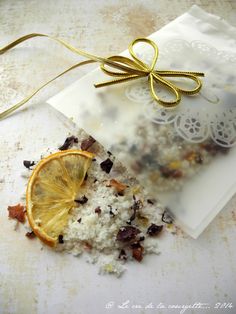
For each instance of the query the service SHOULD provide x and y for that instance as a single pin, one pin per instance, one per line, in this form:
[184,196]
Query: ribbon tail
[7,112]
[117,81]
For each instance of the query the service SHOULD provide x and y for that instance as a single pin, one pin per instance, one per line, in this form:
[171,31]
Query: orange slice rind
[52,190]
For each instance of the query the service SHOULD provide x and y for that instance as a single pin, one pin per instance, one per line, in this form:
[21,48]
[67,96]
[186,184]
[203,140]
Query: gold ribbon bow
[129,69]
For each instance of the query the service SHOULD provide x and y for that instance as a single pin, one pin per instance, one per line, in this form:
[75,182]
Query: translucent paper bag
[186,155]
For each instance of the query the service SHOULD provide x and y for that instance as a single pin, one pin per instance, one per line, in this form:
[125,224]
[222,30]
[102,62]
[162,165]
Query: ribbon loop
[140,62]
[128,69]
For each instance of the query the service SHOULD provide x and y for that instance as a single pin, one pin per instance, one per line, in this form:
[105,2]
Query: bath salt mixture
[114,221]
[166,160]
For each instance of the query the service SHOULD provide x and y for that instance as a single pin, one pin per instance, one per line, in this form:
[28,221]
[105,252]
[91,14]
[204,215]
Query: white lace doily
[211,113]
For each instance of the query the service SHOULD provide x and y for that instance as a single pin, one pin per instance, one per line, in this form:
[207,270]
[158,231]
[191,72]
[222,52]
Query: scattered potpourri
[114,221]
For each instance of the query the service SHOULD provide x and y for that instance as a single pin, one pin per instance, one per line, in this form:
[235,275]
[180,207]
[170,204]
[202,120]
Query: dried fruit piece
[17,212]
[52,190]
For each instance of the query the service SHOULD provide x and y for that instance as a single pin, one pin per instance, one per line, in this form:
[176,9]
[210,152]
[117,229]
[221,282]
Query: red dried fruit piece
[127,233]
[17,212]
[137,251]
[87,143]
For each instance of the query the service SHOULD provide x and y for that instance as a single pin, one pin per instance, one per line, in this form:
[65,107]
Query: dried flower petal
[98,210]
[127,233]
[154,230]
[122,255]
[30,235]
[60,239]
[137,251]
[166,172]
[17,212]
[120,187]
[87,143]
[28,163]
[106,165]
[68,142]
[136,206]
[82,200]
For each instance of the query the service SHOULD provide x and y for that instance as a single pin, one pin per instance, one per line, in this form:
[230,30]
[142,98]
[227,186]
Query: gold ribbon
[129,69]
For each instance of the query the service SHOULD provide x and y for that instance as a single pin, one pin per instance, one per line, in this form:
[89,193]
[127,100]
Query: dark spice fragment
[111,212]
[98,210]
[68,142]
[142,238]
[79,220]
[137,251]
[30,235]
[136,206]
[106,165]
[149,201]
[212,148]
[154,230]
[122,255]
[28,163]
[86,177]
[60,238]
[87,143]
[109,153]
[166,217]
[17,212]
[82,200]
[127,233]
[198,158]
[166,172]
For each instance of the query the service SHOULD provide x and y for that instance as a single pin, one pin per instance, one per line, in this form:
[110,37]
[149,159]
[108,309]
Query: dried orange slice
[51,191]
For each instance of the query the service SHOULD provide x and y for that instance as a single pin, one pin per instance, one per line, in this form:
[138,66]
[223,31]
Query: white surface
[34,279]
